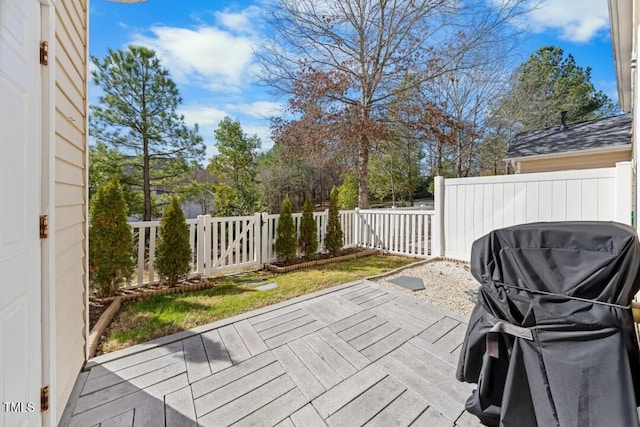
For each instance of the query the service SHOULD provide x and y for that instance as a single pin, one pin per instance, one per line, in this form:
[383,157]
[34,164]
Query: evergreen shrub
[110,240]
[308,241]
[335,237]
[286,242]
[173,252]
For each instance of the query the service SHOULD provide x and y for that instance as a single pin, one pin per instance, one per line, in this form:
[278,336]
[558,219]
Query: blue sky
[207,45]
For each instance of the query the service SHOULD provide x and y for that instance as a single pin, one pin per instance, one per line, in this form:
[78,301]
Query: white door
[20,352]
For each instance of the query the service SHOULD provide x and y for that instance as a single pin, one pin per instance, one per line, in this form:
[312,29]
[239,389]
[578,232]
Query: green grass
[167,314]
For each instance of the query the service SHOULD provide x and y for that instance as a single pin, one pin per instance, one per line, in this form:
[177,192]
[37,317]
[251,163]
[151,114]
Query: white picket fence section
[397,231]
[476,206]
[230,244]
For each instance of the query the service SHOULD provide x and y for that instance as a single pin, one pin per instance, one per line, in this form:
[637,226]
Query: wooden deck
[353,355]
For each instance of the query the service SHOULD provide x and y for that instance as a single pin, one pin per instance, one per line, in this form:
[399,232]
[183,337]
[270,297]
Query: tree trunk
[363,173]
[146,180]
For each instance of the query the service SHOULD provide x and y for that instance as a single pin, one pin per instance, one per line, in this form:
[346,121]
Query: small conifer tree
[308,241]
[335,237]
[286,243]
[110,240]
[173,253]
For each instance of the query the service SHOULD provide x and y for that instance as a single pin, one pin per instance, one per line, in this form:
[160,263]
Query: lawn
[167,314]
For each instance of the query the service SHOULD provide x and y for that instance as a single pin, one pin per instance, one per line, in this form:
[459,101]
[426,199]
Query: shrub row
[286,243]
[111,242]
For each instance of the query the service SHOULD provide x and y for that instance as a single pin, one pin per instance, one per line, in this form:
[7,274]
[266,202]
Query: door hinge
[44,398]
[44,53]
[44,226]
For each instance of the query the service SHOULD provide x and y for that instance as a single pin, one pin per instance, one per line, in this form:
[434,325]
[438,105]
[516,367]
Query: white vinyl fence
[230,244]
[476,206]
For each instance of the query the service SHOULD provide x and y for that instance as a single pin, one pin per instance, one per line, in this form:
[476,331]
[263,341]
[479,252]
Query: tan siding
[67,40]
[73,251]
[68,107]
[68,131]
[73,72]
[69,152]
[73,86]
[70,188]
[591,161]
[68,216]
[69,195]
[69,331]
[68,238]
[68,174]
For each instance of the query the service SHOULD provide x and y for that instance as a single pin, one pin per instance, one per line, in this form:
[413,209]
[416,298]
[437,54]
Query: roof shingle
[600,133]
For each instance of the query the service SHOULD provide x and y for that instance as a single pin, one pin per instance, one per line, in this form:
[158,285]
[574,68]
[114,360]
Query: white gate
[229,243]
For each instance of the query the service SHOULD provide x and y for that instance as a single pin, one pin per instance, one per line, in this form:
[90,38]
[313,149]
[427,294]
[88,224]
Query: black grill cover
[563,350]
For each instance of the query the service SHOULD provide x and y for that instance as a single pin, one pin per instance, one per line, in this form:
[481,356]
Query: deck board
[334,399]
[227,376]
[122,420]
[366,406]
[151,414]
[196,358]
[179,409]
[216,351]
[250,337]
[236,389]
[307,417]
[360,355]
[305,380]
[401,412]
[327,376]
[235,346]
[248,403]
[327,353]
[112,378]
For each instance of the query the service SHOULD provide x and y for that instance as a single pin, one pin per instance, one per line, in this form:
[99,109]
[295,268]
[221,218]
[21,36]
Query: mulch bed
[320,256]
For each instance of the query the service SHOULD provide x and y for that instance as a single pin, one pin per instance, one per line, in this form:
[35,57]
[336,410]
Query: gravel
[447,284]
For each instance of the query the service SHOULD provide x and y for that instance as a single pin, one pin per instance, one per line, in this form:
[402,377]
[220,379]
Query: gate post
[265,238]
[206,241]
[437,229]
[200,245]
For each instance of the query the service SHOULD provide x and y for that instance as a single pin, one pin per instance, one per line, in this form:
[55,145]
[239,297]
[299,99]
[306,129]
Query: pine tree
[138,114]
[308,234]
[286,243]
[335,237]
[173,253]
[110,240]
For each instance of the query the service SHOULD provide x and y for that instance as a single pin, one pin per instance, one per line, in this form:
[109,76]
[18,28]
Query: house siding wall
[590,161]
[70,193]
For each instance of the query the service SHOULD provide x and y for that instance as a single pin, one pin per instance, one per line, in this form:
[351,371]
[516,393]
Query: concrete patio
[356,354]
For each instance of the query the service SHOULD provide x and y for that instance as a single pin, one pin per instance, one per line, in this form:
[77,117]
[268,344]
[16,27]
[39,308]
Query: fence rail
[229,244]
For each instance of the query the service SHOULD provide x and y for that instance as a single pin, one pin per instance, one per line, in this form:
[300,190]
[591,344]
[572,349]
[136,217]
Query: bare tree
[352,57]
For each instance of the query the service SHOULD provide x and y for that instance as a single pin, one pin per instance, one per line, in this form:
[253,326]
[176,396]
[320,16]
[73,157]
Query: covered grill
[551,341]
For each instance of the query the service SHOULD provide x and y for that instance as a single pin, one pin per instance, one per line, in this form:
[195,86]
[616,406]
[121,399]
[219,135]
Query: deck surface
[357,355]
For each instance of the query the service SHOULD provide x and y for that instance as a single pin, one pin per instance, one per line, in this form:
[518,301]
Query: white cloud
[207,56]
[203,116]
[243,21]
[258,109]
[208,119]
[576,21]
[263,132]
